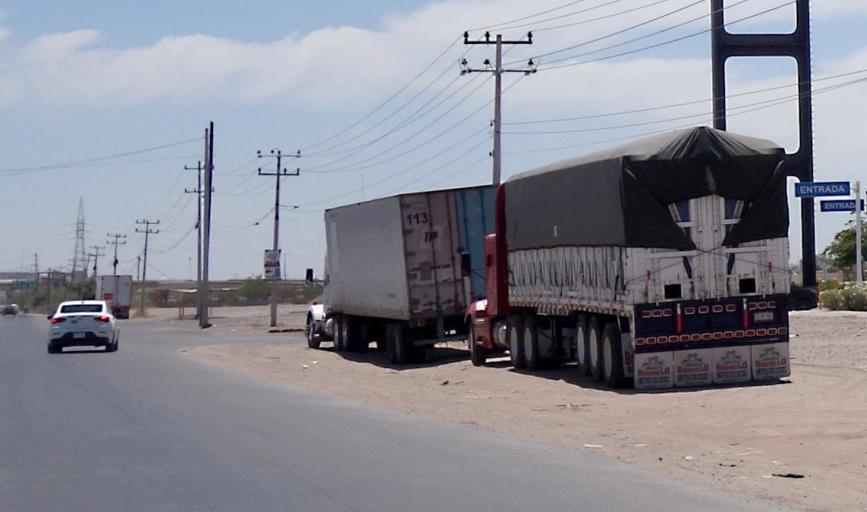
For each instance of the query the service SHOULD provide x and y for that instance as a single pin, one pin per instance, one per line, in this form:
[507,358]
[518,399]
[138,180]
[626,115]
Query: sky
[107,101]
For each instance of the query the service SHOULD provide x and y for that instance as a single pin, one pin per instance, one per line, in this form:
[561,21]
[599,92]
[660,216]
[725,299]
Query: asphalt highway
[148,429]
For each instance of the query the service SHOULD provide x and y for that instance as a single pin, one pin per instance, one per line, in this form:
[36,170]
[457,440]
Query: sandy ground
[743,439]
[289,316]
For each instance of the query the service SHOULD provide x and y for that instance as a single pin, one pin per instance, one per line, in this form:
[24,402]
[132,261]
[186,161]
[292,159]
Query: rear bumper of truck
[725,341]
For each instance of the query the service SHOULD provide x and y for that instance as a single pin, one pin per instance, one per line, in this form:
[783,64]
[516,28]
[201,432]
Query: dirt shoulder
[736,438]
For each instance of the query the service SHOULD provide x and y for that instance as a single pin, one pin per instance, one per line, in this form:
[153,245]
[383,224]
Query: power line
[387,100]
[628,29]
[654,46]
[562,16]
[515,20]
[677,105]
[668,129]
[600,18]
[357,165]
[76,163]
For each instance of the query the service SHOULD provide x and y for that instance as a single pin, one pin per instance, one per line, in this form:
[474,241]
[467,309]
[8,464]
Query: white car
[83,323]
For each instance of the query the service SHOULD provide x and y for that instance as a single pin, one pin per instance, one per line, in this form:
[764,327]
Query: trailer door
[430,247]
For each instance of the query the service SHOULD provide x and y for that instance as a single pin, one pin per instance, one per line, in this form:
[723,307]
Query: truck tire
[515,334]
[594,346]
[339,340]
[397,345]
[532,357]
[478,354]
[351,334]
[313,338]
[53,348]
[612,357]
[582,346]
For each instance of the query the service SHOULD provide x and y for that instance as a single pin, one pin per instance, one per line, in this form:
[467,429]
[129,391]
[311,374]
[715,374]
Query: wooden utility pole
[147,232]
[198,191]
[278,173]
[117,237]
[498,71]
[204,299]
[97,252]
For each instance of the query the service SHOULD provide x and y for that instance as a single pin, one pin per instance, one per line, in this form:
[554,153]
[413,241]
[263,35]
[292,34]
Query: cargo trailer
[661,263]
[401,271]
[117,291]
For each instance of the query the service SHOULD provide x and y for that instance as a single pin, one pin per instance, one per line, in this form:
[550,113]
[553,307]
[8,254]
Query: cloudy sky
[108,100]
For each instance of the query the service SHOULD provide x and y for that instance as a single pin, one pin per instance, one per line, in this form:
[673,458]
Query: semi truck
[401,271]
[662,263]
[117,291]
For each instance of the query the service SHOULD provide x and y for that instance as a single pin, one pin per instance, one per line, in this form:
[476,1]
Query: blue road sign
[822,188]
[840,205]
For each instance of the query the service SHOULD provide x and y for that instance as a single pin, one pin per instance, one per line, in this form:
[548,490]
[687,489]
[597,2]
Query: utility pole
[138,268]
[95,255]
[278,173]
[859,257]
[36,282]
[198,192]
[147,231]
[117,241]
[204,300]
[498,71]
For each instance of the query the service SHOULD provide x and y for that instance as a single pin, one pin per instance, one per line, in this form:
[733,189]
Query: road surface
[151,430]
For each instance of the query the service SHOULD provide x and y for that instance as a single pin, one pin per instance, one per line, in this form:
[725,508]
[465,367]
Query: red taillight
[57,320]
[102,318]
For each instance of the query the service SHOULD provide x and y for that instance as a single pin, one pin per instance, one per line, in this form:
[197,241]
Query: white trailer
[117,291]
[401,270]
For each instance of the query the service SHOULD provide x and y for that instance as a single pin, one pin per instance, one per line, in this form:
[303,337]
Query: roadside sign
[822,188]
[22,284]
[272,264]
[839,205]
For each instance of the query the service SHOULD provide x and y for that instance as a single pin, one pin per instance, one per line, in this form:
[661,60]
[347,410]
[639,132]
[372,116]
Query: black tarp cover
[620,197]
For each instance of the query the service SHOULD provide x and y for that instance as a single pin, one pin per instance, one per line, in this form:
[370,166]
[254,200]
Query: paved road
[148,429]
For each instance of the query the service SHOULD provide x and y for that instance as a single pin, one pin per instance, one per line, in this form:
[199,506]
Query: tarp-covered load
[620,197]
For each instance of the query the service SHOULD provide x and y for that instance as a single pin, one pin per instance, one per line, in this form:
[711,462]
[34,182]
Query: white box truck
[117,291]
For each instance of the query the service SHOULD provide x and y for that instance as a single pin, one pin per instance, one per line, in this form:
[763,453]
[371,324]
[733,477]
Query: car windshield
[81,308]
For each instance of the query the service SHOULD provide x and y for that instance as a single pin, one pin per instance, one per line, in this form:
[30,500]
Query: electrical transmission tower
[278,173]
[497,70]
[79,255]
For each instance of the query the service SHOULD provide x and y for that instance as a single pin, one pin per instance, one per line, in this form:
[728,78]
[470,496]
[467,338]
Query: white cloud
[4,33]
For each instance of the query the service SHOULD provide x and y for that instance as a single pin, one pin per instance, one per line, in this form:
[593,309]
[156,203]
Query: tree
[842,249]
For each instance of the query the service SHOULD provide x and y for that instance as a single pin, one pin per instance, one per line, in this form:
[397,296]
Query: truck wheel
[351,334]
[612,357]
[313,339]
[594,342]
[339,339]
[515,333]
[582,346]
[531,344]
[398,349]
[478,354]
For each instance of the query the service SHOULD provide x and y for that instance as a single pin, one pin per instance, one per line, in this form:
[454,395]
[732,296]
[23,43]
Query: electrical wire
[387,100]
[775,100]
[515,20]
[359,165]
[682,104]
[664,130]
[78,163]
[600,18]
[653,46]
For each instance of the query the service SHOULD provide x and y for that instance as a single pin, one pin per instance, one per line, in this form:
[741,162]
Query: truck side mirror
[466,264]
[308,276]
